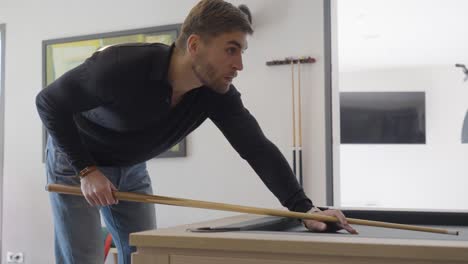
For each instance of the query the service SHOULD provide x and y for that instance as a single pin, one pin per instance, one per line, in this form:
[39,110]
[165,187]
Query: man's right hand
[97,189]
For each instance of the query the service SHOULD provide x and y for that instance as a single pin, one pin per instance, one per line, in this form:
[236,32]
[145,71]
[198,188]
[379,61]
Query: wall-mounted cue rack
[302,60]
[296,148]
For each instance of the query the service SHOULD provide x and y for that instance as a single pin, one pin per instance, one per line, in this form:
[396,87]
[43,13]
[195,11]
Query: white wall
[420,176]
[212,171]
[2,107]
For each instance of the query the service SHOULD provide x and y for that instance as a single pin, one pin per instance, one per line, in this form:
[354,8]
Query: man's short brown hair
[210,18]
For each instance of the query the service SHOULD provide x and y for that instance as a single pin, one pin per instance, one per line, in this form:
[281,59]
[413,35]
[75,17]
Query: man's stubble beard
[207,74]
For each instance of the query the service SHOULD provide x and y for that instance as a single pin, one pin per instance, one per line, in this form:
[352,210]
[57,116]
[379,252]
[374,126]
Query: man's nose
[238,63]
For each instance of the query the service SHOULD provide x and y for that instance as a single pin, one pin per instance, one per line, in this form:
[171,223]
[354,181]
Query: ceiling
[401,33]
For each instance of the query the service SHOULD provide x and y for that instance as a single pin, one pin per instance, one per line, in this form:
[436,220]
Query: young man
[127,104]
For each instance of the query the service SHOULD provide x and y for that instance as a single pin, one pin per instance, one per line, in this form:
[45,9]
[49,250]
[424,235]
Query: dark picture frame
[63,54]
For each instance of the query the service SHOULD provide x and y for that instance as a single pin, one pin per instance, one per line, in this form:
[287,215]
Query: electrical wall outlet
[16,257]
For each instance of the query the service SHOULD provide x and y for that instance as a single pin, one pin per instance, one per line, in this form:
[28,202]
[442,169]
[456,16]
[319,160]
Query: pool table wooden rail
[176,246]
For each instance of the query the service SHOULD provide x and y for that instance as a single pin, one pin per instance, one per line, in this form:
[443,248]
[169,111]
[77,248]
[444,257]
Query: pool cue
[145,198]
[293,118]
[299,149]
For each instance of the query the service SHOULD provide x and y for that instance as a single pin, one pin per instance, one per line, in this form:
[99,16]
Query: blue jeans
[78,235]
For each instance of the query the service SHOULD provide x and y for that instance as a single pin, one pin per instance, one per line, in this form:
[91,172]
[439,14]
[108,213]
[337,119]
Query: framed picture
[62,55]
[383,117]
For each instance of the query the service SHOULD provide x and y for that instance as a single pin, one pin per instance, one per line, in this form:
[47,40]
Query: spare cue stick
[145,198]
[293,118]
[299,119]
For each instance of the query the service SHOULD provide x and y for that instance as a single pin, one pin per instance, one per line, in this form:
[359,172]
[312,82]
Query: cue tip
[455,233]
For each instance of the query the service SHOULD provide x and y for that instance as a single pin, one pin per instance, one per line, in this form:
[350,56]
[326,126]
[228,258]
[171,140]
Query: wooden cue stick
[299,119]
[293,118]
[145,198]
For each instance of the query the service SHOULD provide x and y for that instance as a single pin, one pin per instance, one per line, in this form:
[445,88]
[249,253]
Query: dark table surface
[278,225]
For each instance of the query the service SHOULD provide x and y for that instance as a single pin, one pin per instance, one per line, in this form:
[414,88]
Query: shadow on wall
[269,11]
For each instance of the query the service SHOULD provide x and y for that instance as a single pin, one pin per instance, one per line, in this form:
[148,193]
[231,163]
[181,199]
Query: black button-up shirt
[115,109]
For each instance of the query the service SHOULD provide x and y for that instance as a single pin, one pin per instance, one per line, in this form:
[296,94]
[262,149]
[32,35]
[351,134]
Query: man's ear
[193,44]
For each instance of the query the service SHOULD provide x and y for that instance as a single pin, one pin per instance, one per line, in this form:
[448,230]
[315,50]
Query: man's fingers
[350,229]
[322,227]
[316,225]
[114,189]
[105,197]
[101,195]
[343,222]
[341,217]
[100,198]
[100,201]
[90,199]
[110,197]
[98,190]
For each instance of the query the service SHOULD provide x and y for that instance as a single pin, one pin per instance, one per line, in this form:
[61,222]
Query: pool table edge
[256,242]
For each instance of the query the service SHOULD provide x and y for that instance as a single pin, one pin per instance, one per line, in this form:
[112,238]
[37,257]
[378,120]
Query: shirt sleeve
[245,135]
[74,92]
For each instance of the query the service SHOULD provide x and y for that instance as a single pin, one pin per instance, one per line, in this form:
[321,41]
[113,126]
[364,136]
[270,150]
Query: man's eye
[231,51]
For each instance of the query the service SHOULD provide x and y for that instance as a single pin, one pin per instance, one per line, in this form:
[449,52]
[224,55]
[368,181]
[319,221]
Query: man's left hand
[317,226]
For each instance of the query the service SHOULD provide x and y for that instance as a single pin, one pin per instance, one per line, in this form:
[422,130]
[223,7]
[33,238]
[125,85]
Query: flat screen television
[382,118]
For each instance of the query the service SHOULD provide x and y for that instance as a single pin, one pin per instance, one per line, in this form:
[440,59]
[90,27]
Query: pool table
[252,239]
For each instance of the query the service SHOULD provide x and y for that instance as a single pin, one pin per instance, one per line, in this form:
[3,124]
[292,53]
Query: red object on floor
[107,245]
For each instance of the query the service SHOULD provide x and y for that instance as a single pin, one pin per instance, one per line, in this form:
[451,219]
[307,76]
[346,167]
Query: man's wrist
[314,210]
[86,171]
[311,211]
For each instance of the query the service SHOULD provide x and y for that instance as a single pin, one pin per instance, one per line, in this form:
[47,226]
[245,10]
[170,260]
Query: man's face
[217,60]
